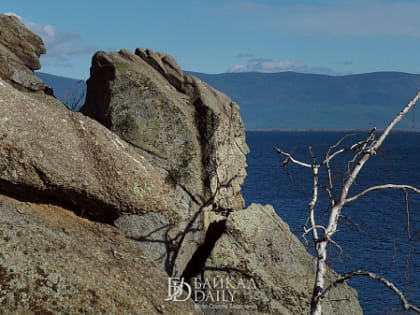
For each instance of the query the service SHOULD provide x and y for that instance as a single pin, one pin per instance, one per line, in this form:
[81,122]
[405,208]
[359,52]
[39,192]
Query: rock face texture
[258,246]
[191,132]
[51,154]
[19,57]
[20,50]
[53,262]
[195,136]
[167,174]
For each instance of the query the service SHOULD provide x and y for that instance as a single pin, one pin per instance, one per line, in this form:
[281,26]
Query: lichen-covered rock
[47,153]
[191,132]
[53,262]
[258,245]
[151,230]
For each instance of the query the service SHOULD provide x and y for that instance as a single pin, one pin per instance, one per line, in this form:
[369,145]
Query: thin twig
[289,158]
[407,211]
[406,305]
[381,187]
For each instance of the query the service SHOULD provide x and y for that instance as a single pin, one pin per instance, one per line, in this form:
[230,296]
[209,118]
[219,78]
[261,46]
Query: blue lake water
[373,230]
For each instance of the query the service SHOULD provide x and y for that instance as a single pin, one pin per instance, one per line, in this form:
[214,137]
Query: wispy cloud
[337,18]
[270,66]
[60,45]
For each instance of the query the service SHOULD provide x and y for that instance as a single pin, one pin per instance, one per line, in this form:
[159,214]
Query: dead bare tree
[323,235]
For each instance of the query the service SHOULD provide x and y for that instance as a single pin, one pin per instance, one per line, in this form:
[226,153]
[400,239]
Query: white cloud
[60,45]
[270,66]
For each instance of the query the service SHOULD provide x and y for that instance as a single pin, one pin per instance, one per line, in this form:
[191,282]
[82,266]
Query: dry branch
[363,150]
[406,305]
[382,187]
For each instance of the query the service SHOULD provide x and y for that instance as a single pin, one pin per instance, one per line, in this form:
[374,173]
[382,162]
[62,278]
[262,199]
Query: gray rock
[192,133]
[258,247]
[21,42]
[54,262]
[27,79]
[19,57]
[47,153]
[150,232]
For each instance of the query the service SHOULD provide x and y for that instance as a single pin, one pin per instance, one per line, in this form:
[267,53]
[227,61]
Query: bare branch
[341,251]
[289,158]
[395,121]
[329,156]
[352,161]
[313,203]
[361,147]
[406,305]
[312,154]
[339,142]
[382,187]
[330,194]
[363,150]
[306,230]
[369,148]
[358,146]
[407,211]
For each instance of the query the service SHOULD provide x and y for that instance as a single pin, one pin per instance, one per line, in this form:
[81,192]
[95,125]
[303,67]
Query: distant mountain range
[289,100]
[69,91]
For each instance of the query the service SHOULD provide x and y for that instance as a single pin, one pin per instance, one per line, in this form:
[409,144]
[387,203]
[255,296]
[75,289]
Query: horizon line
[259,72]
[327,130]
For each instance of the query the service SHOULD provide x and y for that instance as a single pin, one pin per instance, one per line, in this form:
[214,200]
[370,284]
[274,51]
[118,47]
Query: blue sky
[214,36]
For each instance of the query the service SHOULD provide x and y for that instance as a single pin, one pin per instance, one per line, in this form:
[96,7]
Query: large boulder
[54,262]
[24,44]
[268,270]
[20,50]
[63,157]
[192,133]
[19,53]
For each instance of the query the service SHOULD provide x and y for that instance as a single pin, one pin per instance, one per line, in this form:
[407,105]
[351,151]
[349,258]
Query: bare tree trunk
[363,150]
[321,271]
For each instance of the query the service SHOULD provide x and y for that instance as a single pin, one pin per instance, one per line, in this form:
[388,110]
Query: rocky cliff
[195,136]
[94,217]
[192,133]
[20,50]
[51,261]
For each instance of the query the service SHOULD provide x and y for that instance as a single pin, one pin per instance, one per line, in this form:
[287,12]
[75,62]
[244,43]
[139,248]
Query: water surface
[373,230]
